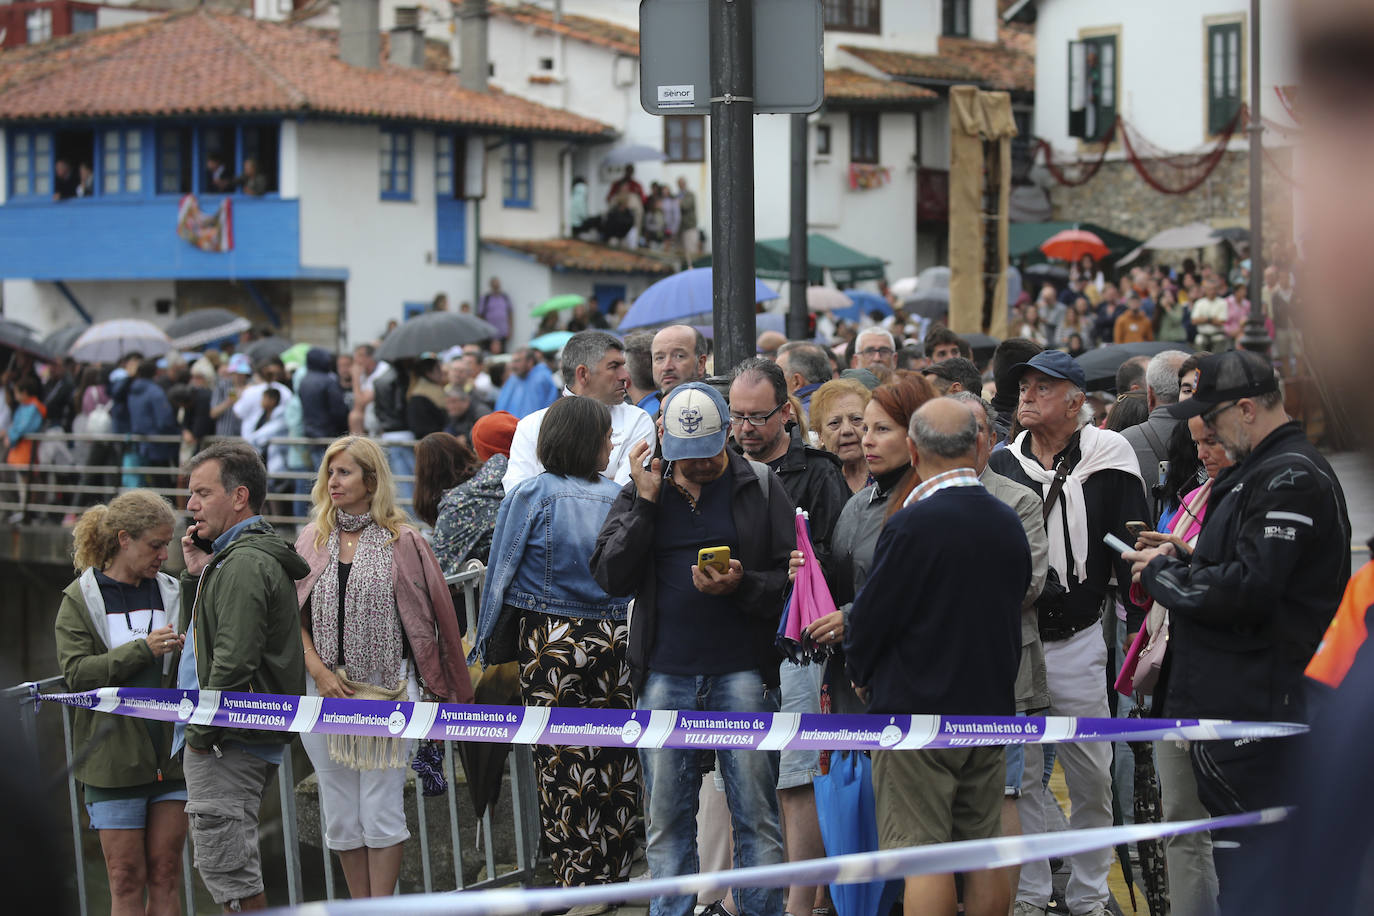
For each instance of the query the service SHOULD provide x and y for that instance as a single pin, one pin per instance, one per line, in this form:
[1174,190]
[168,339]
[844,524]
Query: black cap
[1258,378]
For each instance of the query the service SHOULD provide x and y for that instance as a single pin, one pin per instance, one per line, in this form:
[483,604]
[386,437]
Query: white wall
[880,222]
[387,246]
[43,308]
[1162,65]
[907,25]
[541,221]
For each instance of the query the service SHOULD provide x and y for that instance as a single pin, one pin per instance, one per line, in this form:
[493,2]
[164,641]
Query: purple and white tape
[655,728]
[966,856]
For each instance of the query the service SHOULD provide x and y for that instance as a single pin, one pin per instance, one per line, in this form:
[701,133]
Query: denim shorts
[801,692]
[1016,767]
[128,813]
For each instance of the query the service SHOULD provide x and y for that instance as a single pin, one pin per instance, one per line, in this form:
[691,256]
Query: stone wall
[1119,199]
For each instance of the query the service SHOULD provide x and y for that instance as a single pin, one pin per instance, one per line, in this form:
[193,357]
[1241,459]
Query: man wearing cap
[593,367]
[1090,483]
[701,639]
[1249,605]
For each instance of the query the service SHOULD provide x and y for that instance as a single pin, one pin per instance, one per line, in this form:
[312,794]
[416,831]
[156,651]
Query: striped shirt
[959,477]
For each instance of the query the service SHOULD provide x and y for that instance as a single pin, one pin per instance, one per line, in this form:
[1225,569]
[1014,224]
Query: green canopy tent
[845,265]
[1024,240]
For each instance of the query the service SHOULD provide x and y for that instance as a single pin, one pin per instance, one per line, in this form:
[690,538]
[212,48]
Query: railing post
[32,713]
[286,783]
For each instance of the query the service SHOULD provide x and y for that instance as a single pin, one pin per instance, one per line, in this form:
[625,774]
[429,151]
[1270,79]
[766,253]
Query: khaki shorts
[937,796]
[223,797]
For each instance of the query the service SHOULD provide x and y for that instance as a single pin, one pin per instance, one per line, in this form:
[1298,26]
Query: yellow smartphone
[718,557]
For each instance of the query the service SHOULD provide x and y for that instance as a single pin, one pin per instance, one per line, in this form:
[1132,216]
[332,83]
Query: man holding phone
[702,639]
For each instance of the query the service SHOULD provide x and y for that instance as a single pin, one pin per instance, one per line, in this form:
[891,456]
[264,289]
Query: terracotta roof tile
[994,65]
[584,28]
[845,85]
[202,62]
[575,254]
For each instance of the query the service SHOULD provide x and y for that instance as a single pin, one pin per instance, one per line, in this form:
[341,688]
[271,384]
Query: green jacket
[121,751]
[247,634]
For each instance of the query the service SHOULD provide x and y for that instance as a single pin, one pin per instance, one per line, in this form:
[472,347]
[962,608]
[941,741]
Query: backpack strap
[1061,474]
[761,472]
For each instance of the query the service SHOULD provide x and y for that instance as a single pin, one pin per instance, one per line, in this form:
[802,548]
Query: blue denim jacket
[545,535]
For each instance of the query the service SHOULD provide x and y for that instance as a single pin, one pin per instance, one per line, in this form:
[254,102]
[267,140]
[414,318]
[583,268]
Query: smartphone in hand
[718,558]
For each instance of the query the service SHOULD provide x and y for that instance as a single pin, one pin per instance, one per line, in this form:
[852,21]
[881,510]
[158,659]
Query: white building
[1177,73]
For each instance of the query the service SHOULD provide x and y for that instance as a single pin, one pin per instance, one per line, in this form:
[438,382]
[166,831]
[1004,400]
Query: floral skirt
[589,797]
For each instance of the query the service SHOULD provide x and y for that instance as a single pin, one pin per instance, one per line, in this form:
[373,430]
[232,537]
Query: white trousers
[359,807]
[1077,669]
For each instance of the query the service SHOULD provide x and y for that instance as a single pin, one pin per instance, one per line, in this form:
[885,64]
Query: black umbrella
[1057,274]
[981,344]
[433,332]
[1100,365]
[1149,809]
[200,327]
[61,340]
[932,304]
[268,347]
[21,337]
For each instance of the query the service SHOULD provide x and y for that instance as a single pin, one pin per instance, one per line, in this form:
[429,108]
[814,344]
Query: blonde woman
[113,630]
[377,623]
[837,419]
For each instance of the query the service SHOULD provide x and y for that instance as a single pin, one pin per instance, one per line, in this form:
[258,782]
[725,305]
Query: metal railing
[59,488]
[23,701]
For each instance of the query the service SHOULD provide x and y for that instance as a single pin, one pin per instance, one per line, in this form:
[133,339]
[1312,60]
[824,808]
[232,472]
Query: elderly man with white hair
[1090,483]
[1151,438]
[874,347]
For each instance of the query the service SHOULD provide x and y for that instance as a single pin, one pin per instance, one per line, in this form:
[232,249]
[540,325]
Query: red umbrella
[1072,244]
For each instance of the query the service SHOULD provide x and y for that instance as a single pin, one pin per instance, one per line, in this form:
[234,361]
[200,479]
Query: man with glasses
[1249,605]
[814,480]
[702,639]
[874,347]
[1090,483]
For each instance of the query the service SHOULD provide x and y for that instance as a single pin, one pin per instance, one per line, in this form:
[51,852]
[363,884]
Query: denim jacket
[545,533]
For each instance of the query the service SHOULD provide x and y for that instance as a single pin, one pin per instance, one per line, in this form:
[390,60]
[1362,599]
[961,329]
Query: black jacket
[1250,605]
[390,400]
[815,482]
[322,397]
[622,564]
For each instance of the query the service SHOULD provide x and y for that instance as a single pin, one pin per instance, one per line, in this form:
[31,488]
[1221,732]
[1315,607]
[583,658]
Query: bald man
[770,342]
[679,356]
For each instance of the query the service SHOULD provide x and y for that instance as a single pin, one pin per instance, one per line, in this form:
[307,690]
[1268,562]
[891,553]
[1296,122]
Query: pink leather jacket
[422,600]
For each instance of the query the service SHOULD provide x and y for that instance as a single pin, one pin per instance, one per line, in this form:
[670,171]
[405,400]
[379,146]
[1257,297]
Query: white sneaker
[1022,908]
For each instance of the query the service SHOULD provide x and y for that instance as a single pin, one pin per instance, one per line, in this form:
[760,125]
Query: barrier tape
[944,858]
[640,728]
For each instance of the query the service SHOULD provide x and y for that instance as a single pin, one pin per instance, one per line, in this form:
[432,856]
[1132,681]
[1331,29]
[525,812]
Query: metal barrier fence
[21,701]
[53,485]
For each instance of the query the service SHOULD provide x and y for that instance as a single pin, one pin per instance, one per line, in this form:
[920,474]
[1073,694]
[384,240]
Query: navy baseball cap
[1054,363]
[1254,369]
[696,422]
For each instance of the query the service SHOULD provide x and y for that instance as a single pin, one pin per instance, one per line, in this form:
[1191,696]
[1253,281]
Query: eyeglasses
[736,419]
[872,352]
[1210,416]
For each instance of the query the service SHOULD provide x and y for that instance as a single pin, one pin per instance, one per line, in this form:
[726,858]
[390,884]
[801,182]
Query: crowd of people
[659,218]
[593,483]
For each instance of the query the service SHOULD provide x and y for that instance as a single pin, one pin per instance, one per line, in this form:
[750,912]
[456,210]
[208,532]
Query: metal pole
[1256,336]
[796,311]
[731,30]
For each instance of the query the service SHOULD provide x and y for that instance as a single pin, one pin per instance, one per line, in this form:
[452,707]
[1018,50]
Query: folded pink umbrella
[809,601]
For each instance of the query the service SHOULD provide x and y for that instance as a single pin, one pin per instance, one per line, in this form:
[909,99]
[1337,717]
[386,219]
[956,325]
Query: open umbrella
[982,345]
[200,327]
[61,340]
[266,348]
[557,304]
[110,341]
[1149,809]
[676,297]
[862,302]
[632,152]
[1072,244]
[904,287]
[1100,365]
[294,355]
[930,298]
[17,336]
[826,299]
[551,342]
[809,601]
[432,332]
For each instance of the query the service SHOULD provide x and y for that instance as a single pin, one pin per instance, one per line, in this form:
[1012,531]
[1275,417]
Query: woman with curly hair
[542,608]
[113,630]
[377,623]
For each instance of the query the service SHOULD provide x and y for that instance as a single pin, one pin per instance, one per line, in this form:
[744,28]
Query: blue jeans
[401,459]
[672,779]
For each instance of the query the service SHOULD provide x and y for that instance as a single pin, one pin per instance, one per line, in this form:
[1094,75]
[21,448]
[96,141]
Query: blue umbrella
[849,823]
[865,303]
[552,341]
[676,297]
[763,321]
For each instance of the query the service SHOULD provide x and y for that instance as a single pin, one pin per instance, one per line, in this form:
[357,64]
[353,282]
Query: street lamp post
[1255,336]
